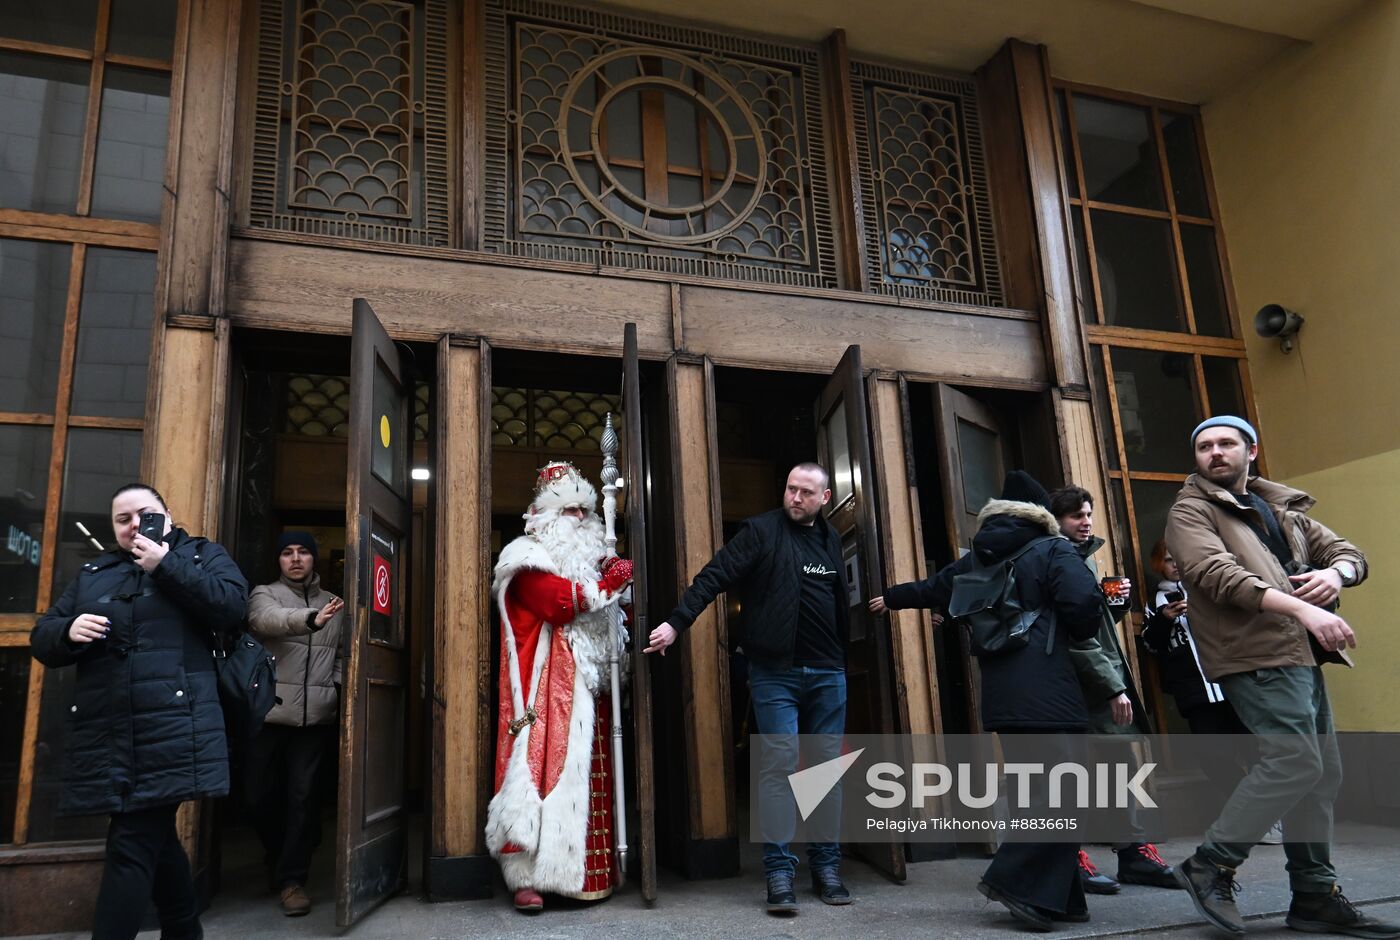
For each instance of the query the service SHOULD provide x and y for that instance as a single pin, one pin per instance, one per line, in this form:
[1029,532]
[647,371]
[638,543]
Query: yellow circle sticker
[384,430]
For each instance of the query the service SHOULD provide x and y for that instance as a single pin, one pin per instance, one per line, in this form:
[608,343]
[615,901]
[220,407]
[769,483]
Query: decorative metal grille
[421,413]
[350,134]
[319,406]
[617,142]
[550,419]
[928,217]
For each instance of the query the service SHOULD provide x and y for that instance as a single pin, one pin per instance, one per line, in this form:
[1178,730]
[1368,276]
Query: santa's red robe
[550,823]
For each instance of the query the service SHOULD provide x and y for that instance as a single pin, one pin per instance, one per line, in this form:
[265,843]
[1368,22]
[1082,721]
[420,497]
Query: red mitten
[617,572]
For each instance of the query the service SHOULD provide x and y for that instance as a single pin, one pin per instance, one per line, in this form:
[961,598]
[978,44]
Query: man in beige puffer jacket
[302,625]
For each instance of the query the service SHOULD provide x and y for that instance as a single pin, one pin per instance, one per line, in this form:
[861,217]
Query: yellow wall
[1306,156]
[1365,698]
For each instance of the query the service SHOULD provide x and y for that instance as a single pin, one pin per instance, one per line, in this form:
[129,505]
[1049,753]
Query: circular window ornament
[738,145]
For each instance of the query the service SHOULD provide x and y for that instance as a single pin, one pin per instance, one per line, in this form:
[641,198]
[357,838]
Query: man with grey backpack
[1029,685]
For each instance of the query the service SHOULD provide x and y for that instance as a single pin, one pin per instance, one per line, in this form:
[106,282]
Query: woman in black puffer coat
[145,728]
[1031,695]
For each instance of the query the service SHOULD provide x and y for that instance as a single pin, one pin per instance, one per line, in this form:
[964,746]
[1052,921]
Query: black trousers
[1044,874]
[145,862]
[283,798]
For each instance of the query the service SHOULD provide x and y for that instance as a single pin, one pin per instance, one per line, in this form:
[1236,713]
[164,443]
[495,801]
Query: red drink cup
[1117,591]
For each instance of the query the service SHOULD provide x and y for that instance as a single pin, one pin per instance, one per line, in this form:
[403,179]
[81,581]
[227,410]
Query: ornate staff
[611,484]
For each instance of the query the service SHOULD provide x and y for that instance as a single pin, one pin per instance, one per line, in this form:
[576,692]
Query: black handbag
[247,685]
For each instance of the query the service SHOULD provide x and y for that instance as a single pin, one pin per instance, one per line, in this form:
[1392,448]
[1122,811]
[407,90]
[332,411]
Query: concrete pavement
[938,900]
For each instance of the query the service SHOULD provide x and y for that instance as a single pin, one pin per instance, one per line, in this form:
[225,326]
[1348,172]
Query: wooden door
[843,447]
[974,460]
[645,836]
[972,452]
[371,821]
[972,448]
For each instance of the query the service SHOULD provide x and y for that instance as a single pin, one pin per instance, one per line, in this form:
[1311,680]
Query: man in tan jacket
[1262,579]
[300,624]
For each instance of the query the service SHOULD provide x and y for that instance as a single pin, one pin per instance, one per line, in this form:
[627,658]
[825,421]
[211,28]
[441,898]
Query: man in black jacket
[1031,690]
[786,565]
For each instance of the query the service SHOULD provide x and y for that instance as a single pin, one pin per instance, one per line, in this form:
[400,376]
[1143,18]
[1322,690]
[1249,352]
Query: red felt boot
[529,901]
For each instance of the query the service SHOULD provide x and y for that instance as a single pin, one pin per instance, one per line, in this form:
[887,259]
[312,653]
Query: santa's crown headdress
[559,486]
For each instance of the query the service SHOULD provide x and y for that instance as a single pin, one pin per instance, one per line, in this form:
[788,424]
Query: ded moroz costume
[550,824]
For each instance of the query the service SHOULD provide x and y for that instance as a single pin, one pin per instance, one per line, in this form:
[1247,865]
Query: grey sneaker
[1212,889]
[1331,912]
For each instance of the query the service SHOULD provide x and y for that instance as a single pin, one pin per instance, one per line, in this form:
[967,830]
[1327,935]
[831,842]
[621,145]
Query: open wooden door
[644,838]
[371,821]
[973,454]
[972,449]
[843,447]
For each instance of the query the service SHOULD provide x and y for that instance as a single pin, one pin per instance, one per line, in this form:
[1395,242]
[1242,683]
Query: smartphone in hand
[152,525]
[1173,597]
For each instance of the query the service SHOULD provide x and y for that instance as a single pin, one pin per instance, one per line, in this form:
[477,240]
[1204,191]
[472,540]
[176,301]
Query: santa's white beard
[576,546]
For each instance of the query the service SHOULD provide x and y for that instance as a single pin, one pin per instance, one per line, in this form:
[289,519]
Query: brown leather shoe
[295,903]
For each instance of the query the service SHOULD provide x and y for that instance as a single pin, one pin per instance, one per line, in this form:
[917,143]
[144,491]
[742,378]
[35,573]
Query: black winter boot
[1028,914]
[826,883]
[1212,889]
[781,899]
[1331,912]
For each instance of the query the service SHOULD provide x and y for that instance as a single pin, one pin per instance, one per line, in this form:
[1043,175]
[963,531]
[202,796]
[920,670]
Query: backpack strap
[1050,610]
[1038,540]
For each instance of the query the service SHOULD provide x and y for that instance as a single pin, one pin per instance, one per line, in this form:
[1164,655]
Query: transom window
[635,145]
[928,224]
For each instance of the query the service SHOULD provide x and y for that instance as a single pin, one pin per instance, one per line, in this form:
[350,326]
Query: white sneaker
[1274,836]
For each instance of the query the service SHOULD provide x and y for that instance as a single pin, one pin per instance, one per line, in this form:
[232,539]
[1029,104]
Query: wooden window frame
[1083,205]
[80,231]
[78,222]
[1102,338]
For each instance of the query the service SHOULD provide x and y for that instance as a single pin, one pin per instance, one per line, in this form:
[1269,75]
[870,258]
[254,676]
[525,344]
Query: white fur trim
[594,599]
[521,554]
[554,859]
[514,812]
[1010,507]
[559,863]
[572,490]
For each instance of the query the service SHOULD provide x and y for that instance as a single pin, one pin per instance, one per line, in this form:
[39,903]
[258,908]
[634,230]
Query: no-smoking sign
[381,586]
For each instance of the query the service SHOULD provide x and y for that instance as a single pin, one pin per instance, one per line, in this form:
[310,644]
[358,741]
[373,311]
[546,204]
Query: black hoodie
[1025,688]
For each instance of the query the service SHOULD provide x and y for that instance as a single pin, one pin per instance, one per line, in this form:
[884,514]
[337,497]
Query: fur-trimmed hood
[1006,525]
[1033,512]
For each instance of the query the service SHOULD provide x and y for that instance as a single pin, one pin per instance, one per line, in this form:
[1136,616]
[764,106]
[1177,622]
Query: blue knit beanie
[1227,421]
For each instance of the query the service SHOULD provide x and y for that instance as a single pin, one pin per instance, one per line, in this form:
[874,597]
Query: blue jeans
[787,702]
